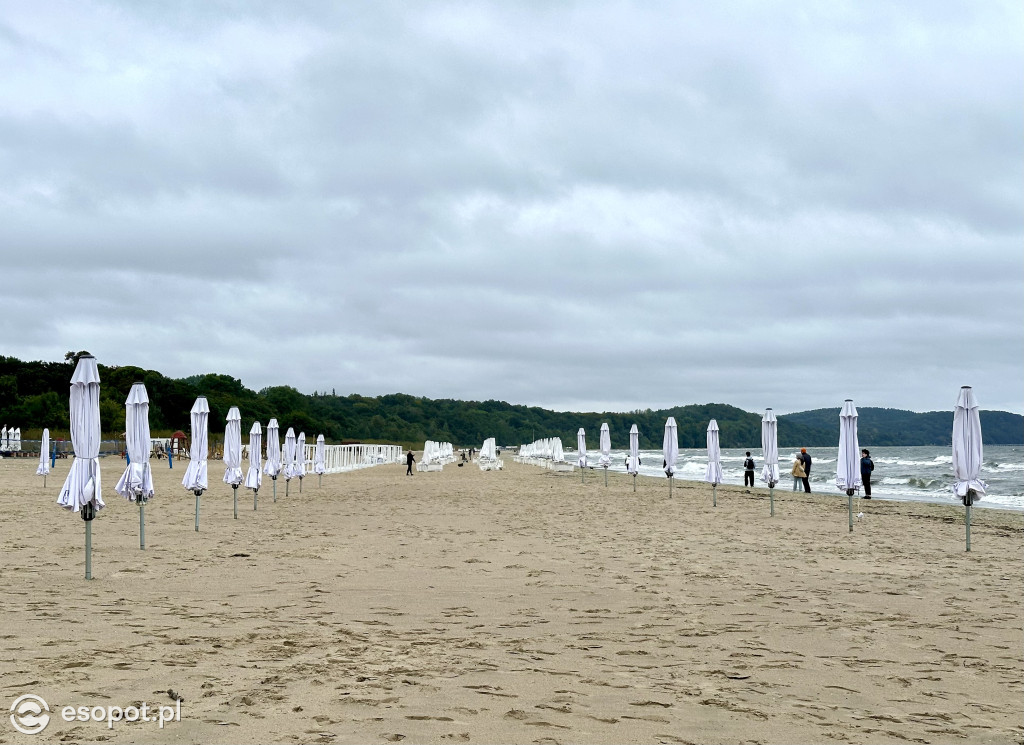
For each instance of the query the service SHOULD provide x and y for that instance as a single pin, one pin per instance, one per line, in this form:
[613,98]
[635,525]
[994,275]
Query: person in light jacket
[798,472]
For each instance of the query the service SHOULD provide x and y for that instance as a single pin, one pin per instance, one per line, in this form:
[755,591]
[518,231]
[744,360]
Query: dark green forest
[34,395]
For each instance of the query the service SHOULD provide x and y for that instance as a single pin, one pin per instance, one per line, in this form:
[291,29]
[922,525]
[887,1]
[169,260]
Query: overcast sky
[583,206]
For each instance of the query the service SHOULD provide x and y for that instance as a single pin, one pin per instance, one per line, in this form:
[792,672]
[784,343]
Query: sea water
[920,474]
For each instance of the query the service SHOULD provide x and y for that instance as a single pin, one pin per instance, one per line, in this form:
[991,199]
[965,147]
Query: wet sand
[508,607]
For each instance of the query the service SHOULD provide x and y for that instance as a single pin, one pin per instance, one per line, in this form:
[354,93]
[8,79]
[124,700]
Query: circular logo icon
[30,714]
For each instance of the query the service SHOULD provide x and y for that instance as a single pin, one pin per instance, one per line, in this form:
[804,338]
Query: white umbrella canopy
[319,458]
[82,485]
[633,466]
[195,478]
[713,473]
[254,477]
[967,447]
[606,446]
[557,453]
[3,438]
[233,448]
[670,446]
[273,464]
[136,483]
[770,448]
[44,454]
[16,440]
[848,462]
[300,455]
[581,447]
[288,457]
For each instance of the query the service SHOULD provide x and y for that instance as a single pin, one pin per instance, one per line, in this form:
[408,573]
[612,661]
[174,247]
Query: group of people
[801,471]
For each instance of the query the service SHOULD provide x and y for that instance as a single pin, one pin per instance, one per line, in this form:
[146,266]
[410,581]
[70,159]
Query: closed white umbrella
[136,483]
[770,453]
[713,473]
[633,463]
[16,440]
[967,453]
[581,449]
[254,476]
[82,490]
[300,458]
[3,439]
[44,456]
[670,449]
[195,479]
[288,458]
[848,461]
[233,453]
[319,460]
[273,465]
[606,450]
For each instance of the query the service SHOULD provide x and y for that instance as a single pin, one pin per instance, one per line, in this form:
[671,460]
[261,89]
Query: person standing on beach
[798,471]
[806,458]
[748,471]
[866,467]
[408,463]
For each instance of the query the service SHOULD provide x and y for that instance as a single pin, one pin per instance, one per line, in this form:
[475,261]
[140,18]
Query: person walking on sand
[806,458]
[408,463]
[866,467]
[798,471]
[748,471]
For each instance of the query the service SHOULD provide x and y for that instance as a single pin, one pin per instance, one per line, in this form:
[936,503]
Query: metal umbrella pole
[234,490]
[254,498]
[849,506]
[88,513]
[771,498]
[142,525]
[714,495]
[606,475]
[274,479]
[197,492]
[968,501]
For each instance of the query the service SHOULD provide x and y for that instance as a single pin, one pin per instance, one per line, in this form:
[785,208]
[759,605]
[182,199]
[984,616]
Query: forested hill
[34,395]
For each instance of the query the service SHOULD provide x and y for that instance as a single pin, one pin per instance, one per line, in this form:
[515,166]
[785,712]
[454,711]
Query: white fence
[341,458]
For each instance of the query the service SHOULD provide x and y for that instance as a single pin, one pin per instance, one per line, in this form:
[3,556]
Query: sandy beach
[509,607]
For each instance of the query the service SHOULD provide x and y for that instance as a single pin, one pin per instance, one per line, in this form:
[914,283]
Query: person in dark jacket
[408,463]
[748,471]
[806,458]
[866,467]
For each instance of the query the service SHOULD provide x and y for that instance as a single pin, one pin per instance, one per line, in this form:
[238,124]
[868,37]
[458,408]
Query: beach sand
[511,607]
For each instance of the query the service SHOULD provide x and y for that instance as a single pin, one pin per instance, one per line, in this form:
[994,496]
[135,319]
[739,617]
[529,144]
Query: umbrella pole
[142,526]
[771,499]
[275,488]
[234,489]
[286,482]
[581,474]
[255,493]
[670,486]
[634,483]
[44,480]
[320,483]
[606,475]
[197,513]
[714,495]
[300,485]
[88,549]
[968,527]
[849,508]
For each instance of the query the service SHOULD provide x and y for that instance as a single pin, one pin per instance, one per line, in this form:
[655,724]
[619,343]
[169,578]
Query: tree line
[34,395]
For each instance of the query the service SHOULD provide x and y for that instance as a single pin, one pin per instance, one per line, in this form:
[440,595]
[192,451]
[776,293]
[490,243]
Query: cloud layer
[577,205]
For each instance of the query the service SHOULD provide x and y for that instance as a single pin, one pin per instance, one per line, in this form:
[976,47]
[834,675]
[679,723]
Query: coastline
[514,606]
